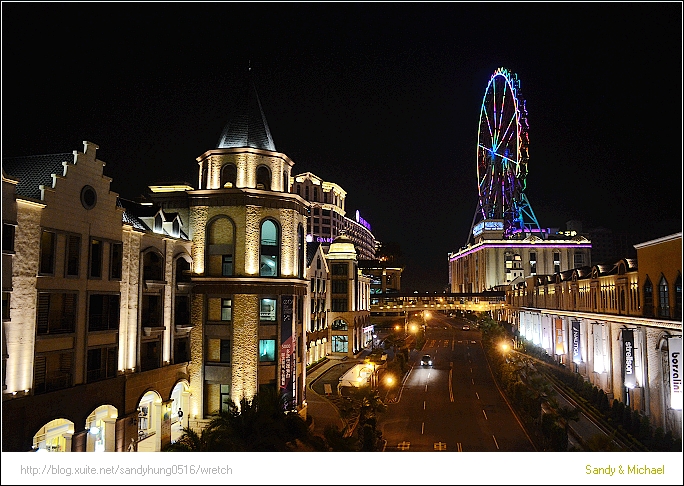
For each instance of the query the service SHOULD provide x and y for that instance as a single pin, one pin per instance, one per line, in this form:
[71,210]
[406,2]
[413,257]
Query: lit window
[267,350]
[270,248]
[226,309]
[267,310]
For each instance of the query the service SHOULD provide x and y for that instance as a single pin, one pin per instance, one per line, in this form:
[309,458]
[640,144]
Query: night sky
[382,99]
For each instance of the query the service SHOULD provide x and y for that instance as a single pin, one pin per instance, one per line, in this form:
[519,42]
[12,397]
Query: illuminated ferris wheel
[502,154]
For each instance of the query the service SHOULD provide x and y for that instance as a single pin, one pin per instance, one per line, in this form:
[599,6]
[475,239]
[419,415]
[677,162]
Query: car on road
[466,328]
[426,360]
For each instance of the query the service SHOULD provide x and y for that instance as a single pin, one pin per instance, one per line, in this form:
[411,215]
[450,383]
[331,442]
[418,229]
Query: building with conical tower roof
[249,254]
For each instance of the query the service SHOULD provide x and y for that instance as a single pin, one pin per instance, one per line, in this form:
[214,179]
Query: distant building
[493,262]
[327,215]
[349,315]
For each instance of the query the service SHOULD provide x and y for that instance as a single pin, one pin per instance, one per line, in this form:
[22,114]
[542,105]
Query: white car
[426,360]
[466,328]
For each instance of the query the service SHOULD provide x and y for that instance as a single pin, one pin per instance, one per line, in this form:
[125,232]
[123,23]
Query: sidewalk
[322,408]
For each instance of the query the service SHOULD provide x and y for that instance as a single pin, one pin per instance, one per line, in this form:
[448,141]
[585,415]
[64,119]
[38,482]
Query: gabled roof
[247,125]
[311,248]
[34,170]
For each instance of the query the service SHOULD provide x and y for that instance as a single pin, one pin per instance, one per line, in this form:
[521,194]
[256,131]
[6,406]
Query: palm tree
[566,414]
[259,424]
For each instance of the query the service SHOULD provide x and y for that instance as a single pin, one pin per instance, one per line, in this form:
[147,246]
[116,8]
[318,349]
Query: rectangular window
[218,350]
[7,237]
[225,398]
[339,269]
[181,350]
[579,259]
[95,258]
[339,305]
[267,310]
[182,311]
[73,255]
[52,371]
[6,306]
[151,310]
[226,309]
[326,221]
[227,265]
[266,350]
[116,261]
[101,363]
[47,253]
[556,262]
[340,344]
[56,313]
[103,312]
[339,286]
[150,355]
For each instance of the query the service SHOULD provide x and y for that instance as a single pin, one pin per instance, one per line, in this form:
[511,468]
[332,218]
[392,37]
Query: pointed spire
[247,126]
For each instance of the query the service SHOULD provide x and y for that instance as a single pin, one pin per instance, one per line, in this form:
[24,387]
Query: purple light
[506,245]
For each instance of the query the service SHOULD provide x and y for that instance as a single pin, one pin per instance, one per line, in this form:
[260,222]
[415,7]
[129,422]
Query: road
[454,405]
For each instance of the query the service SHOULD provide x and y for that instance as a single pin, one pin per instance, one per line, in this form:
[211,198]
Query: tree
[259,424]
[565,415]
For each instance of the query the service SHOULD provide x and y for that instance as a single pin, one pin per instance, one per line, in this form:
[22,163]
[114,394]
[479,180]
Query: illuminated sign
[318,239]
[287,353]
[674,347]
[559,336]
[576,350]
[362,221]
[628,357]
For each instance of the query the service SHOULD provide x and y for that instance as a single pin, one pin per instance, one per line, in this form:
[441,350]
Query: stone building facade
[616,325]
[88,332]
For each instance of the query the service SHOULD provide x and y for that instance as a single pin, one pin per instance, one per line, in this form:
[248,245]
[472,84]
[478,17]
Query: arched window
[340,325]
[229,175]
[152,266]
[648,298]
[182,269]
[300,250]
[663,298]
[286,182]
[270,249]
[678,297]
[220,246]
[203,182]
[263,178]
[158,223]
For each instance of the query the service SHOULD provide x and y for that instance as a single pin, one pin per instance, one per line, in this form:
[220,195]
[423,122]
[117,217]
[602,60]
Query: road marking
[451,389]
[426,387]
[485,414]
[459,447]
[471,381]
[403,445]
[495,442]
[471,370]
[428,375]
[440,446]
[423,404]
[422,428]
[452,344]
[477,395]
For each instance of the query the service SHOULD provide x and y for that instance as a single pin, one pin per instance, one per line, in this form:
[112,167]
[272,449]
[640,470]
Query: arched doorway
[101,427]
[54,436]
[149,422]
[180,405]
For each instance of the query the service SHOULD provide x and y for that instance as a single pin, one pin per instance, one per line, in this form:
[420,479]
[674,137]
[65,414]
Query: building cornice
[621,319]
[658,241]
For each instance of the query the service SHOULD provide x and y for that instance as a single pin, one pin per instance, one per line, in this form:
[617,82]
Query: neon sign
[362,221]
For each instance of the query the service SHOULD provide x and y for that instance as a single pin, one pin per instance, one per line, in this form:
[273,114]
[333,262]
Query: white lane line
[471,381]
[423,404]
[485,414]
[495,442]
[426,387]
[477,395]
[422,428]
[459,447]
[471,370]
[451,389]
